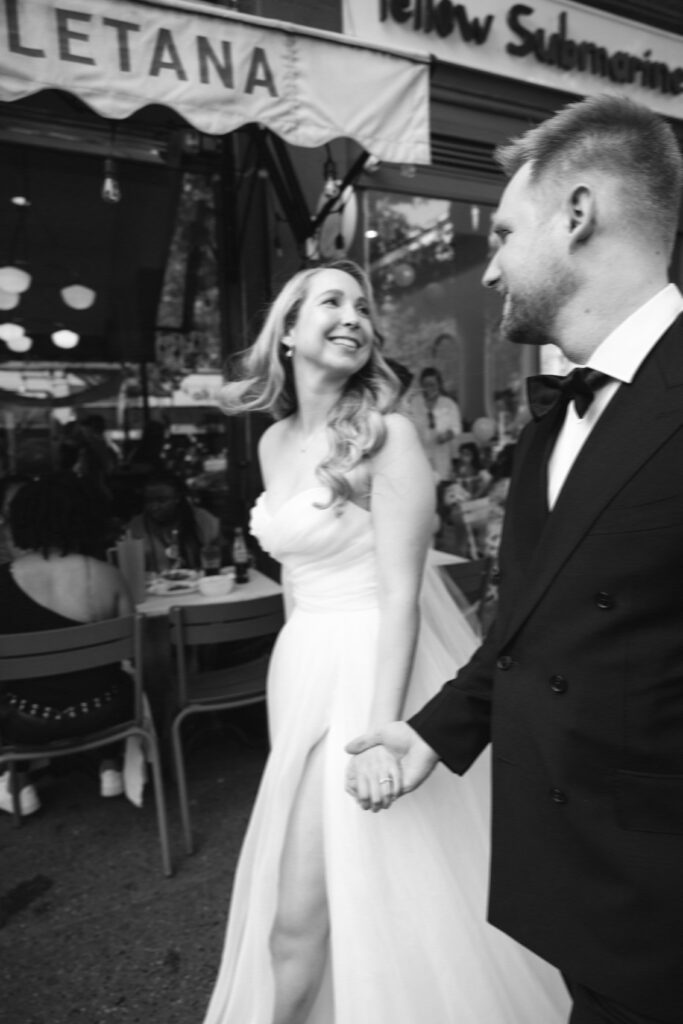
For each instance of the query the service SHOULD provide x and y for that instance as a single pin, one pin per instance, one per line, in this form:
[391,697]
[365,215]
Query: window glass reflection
[426,258]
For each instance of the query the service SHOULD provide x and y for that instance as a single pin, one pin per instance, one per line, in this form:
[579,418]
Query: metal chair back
[54,652]
[233,686]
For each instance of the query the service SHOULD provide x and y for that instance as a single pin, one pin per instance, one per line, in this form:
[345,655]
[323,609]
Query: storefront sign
[218,70]
[560,45]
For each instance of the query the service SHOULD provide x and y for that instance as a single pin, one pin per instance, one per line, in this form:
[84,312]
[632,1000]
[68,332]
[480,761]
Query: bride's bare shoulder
[272,441]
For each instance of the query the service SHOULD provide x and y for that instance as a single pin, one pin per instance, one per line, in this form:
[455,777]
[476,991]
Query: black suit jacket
[579,686]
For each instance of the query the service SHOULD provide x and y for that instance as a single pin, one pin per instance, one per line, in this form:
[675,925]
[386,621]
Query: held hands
[388,763]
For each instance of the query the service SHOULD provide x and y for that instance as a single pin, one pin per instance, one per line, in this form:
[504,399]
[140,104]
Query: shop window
[426,258]
[312,13]
[188,338]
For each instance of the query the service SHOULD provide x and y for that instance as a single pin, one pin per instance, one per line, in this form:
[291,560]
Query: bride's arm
[402,508]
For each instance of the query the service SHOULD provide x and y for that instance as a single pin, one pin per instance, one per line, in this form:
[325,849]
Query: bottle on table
[240,556]
[210,557]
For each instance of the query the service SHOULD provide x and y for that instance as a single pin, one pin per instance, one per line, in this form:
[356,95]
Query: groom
[579,685]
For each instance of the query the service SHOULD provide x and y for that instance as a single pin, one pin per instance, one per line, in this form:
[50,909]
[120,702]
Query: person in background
[438,422]
[147,455]
[469,471]
[497,492]
[95,428]
[9,485]
[54,582]
[173,528]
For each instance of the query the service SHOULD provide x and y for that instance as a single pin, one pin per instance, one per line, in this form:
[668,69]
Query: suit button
[558,796]
[504,662]
[558,684]
[604,600]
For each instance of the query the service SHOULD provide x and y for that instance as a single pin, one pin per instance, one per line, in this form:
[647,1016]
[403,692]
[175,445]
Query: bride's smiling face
[334,328]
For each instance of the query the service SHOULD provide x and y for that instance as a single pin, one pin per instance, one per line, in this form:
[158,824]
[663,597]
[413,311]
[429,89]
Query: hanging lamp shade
[78,296]
[64,338]
[20,344]
[8,300]
[14,279]
[9,332]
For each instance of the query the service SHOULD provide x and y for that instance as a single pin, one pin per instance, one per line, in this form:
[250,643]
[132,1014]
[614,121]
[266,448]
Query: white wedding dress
[409,942]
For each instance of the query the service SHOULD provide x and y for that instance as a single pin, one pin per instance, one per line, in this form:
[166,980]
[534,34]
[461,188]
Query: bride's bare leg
[298,941]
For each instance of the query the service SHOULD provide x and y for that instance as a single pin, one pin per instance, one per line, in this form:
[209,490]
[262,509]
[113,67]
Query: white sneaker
[111,782]
[28,798]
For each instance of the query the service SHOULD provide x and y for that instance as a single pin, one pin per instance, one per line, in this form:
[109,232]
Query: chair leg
[14,792]
[160,800]
[181,782]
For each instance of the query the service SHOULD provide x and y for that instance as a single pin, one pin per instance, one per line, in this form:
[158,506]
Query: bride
[337,916]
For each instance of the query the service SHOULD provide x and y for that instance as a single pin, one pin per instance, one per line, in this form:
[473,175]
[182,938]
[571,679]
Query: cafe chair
[233,686]
[72,649]
[471,579]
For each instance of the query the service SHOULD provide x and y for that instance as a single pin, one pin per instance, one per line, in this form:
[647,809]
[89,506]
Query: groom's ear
[581,215]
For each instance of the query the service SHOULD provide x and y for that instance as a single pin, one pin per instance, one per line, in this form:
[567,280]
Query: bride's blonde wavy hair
[265,383]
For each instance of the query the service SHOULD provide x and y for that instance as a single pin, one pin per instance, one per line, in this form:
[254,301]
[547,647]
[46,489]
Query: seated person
[173,529]
[469,472]
[499,485]
[53,582]
[9,485]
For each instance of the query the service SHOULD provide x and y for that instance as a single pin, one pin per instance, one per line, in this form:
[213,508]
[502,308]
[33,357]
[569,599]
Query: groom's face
[529,263]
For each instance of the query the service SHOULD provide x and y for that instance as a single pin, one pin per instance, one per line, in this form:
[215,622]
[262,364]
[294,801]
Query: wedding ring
[382,782]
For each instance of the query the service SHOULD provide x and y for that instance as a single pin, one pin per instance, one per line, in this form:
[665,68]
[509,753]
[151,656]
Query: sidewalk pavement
[91,932]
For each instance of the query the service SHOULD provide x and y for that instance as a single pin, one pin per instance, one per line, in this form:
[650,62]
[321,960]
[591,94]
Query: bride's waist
[318,599]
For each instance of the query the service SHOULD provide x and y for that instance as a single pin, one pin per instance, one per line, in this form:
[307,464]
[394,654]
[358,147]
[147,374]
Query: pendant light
[64,338]
[20,344]
[78,296]
[10,331]
[8,300]
[14,279]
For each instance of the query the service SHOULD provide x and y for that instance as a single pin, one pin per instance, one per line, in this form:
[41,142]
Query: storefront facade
[131,129]
[498,67]
[246,123]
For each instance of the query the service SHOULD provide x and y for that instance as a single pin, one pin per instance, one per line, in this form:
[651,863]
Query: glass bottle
[240,556]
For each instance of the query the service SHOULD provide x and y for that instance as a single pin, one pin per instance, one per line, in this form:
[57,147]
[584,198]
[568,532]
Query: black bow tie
[547,390]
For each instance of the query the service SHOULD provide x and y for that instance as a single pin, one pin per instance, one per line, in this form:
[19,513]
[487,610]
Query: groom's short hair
[619,137]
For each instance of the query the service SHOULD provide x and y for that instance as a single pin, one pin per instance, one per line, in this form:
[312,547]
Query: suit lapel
[528,515]
[640,417]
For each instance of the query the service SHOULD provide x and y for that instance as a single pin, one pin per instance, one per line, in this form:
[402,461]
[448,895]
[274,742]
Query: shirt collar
[625,348]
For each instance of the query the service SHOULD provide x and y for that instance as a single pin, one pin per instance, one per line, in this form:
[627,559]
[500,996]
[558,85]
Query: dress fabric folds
[406,888]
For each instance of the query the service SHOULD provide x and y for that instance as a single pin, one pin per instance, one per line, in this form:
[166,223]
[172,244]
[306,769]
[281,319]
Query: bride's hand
[373,778]
[411,754]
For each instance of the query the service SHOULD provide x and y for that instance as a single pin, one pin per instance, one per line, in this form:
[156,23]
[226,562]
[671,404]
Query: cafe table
[258,585]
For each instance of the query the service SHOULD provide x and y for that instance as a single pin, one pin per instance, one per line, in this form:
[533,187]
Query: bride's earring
[288,351]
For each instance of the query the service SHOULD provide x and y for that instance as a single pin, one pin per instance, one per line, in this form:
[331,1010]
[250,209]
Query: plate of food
[164,587]
[179,575]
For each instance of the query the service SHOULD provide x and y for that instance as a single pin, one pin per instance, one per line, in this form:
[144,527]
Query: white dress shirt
[619,356]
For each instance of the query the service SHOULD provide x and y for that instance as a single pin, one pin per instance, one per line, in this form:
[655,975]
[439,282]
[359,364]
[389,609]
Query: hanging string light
[332,181]
[111,189]
[13,277]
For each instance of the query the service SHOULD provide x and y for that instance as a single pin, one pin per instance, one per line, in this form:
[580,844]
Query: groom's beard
[530,316]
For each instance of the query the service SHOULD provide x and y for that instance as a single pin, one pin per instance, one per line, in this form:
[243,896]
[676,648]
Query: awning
[218,70]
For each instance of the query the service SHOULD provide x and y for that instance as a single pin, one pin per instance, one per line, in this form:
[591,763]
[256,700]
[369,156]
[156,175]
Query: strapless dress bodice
[328,555]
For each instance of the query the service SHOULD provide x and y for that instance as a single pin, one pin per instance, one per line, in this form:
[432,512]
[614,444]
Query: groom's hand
[415,758]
